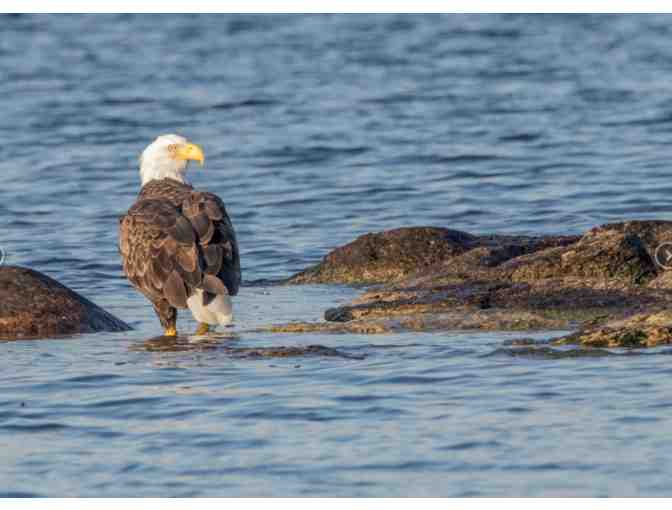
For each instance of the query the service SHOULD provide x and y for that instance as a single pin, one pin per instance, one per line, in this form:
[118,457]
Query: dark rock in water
[221,343]
[605,255]
[394,255]
[459,319]
[551,354]
[652,233]
[561,281]
[32,305]
[614,253]
[553,306]
[184,343]
[289,352]
[387,256]
[639,330]
[501,282]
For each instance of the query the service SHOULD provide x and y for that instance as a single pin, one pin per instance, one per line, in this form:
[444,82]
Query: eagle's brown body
[175,240]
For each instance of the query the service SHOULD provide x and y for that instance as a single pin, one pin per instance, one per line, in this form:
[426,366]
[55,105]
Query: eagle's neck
[151,172]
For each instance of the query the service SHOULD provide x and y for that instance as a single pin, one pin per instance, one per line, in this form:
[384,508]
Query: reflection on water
[317,129]
[223,343]
[185,343]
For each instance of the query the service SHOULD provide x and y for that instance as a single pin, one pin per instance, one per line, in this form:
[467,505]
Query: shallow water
[317,129]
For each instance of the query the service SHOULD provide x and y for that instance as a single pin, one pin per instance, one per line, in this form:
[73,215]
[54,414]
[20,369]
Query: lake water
[317,129]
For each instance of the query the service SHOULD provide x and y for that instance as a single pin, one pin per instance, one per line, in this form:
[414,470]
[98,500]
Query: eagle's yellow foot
[170,331]
[203,328]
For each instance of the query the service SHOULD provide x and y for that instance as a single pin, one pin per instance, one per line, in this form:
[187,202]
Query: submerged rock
[551,305]
[493,320]
[32,305]
[220,343]
[547,353]
[446,279]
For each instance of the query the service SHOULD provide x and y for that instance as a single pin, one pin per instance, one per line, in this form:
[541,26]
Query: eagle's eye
[172,148]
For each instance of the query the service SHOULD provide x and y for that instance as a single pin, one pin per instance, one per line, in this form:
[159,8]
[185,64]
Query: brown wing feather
[156,254]
[216,239]
[170,249]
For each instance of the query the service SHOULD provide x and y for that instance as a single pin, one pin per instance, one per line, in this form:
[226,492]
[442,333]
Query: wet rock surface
[595,283]
[222,343]
[549,353]
[33,305]
[494,320]
[637,331]
[387,256]
[397,254]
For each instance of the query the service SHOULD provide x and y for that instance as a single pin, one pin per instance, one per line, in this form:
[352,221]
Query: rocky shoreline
[605,285]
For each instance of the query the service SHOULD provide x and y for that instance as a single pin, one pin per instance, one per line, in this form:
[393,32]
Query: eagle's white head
[167,157]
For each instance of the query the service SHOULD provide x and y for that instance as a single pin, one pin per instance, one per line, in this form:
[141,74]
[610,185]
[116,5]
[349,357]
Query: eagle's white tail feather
[218,312]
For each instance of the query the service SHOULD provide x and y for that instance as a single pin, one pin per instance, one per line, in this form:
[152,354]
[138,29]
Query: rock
[498,282]
[652,233]
[571,280]
[493,320]
[639,330]
[621,253]
[547,353]
[396,255]
[483,260]
[32,305]
[662,281]
[596,259]
[387,256]
[546,305]
[289,352]
[220,343]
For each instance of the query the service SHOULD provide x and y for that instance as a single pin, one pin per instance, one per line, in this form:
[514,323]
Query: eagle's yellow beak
[189,151]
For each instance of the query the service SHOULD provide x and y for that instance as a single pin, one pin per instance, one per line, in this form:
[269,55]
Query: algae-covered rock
[619,253]
[32,305]
[387,256]
[463,319]
[464,281]
[662,281]
[652,233]
[639,330]
[599,257]
[221,343]
[395,255]
[603,274]
[552,305]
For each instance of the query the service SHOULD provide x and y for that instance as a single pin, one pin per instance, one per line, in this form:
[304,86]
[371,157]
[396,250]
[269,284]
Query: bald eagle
[177,244]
